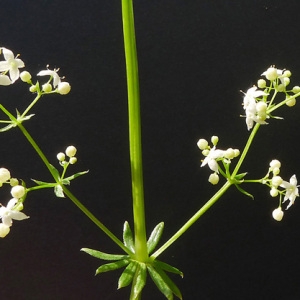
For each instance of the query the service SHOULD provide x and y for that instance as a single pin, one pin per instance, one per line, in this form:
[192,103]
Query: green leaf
[139,281]
[8,127]
[112,266]
[160,283]
[38,182]
[103,255]
[65,181]
[240,176]
[243,191]
[164,266]
[155,237]
[128,237]
[170,283]
[58,191]
[76,175]
[55,173]
[127,275]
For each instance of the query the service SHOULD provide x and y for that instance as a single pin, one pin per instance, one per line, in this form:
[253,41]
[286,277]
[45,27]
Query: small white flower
[291,190]
[53,73]
[277,214]
[252,109]
[210,159]
[8,213]
[11,64]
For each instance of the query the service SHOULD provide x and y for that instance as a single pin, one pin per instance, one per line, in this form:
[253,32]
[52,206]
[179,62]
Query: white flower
[253,110]
[210,159]
[272,73]
[291,190]
[8,213]
[11,64]
[53,73]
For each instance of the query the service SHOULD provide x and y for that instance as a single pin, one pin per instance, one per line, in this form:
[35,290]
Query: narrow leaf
[155,237]
[76,175]
[243,191]
[112,266]
[103,255]
[170,283]
[128,237]
[160,283]
[167,267]
[139,281]
[55,172]
[127,275]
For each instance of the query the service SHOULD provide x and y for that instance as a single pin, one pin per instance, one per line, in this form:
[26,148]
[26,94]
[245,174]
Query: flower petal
[4,80]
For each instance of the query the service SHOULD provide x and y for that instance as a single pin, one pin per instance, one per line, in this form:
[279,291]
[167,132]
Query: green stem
[134,131]
[193,219]
[66,191]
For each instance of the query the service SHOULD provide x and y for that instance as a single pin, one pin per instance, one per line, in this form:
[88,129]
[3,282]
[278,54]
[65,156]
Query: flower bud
[213,178]
[202,144]
[286,81]
[229,153]
[276,181]
[287,73]
[18,191]
[13,181]
[275,164]
[261,106]
[61,156]
[274,192]
[4,230]
[236,152]
[214,140]
[33,88]
[4,175]
[296,89]
[73,160]
[63,88]
[25,76]
[261,83]
[291,102]
[277,214]
[71,151]
[271,73]
[47,87]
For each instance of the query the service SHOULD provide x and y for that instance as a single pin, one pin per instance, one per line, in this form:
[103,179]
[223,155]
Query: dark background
[194,58]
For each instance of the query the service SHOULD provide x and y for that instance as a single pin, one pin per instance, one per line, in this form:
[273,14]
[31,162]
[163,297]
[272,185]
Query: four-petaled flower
[11,65]
[53,74]
[8,213]
[210,159]
[291,190]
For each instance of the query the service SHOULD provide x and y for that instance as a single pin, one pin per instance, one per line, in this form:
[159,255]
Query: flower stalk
[135,143]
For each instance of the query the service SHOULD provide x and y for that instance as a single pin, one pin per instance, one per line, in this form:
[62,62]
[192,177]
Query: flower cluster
[213,155]
[10,66]
[278,186]
[69,152]
[256,104]
[12,211]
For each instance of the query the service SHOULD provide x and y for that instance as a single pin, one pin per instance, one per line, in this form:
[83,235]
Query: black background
[194,58]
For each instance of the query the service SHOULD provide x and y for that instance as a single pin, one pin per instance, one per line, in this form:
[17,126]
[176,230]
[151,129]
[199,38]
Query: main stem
[134,131]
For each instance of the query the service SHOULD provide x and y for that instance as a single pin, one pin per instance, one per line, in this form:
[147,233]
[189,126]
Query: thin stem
[66,191]
[135,143]
[193,219]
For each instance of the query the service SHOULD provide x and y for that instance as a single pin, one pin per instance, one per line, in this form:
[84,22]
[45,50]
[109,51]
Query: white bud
[276,181]
[277,214]
[236,152]
[202,144]
[261,83]
[18,191]
[287,73]
[275,164]
[296,89]
[63,88]
[271,73]
[286,81]
[274,192]
[214,140]
[47,87]
[73,160]
[213,178]
[25,76]
[229,153]
[4,175]
[261,106]
[71,151]
[4,230]
[61,156]
[33,89]
[13,181]
[291,102]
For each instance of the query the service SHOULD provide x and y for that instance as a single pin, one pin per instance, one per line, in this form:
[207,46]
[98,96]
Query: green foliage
[135,272]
